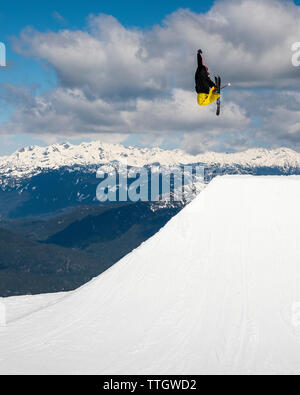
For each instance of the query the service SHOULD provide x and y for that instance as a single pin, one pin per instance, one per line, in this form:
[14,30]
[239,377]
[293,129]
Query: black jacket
[203,82]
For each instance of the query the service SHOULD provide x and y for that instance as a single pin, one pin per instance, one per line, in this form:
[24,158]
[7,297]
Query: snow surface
[32,160]
[20,306]
[216,291]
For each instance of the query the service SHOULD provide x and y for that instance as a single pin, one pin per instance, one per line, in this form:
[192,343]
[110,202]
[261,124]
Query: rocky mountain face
[44,180]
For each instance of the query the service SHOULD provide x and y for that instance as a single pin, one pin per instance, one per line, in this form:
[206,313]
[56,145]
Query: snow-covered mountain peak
[33,159]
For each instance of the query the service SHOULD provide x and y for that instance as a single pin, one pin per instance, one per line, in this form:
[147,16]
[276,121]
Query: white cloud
[248,41]
[62,111]
[180,113]
[70,112]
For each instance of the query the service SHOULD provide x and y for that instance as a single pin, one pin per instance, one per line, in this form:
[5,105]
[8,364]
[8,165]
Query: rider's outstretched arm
[199,59]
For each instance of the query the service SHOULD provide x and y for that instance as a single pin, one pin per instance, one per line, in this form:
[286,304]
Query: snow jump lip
[216,291]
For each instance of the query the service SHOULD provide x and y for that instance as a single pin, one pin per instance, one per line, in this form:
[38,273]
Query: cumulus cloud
[106,61]
[275,115]
[70,112]
[62,111]
[249,41]
[117,80]
[282,120]
[180,113]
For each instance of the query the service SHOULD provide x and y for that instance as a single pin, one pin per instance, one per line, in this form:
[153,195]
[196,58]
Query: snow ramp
[216,291]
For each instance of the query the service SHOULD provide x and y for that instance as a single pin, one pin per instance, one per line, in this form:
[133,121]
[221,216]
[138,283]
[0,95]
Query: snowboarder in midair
[208,91]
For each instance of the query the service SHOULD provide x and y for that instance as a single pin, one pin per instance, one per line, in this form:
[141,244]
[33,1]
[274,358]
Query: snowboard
[218,85]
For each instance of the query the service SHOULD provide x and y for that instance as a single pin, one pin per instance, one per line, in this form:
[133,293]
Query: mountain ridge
[33,160]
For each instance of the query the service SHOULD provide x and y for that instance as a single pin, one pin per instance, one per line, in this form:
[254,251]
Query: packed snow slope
[216,291]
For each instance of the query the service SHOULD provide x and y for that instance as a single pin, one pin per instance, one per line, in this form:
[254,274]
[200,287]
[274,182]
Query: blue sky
[40,74]
[45,16]
[16,15]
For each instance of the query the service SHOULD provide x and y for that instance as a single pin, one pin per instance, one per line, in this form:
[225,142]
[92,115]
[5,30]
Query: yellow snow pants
[204,99]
